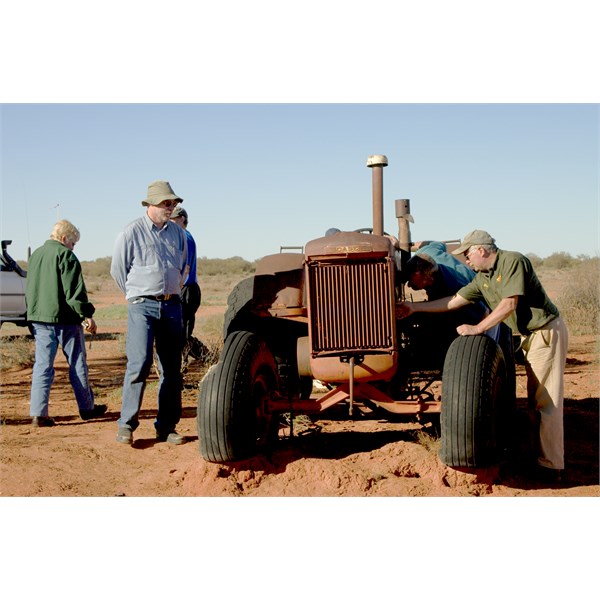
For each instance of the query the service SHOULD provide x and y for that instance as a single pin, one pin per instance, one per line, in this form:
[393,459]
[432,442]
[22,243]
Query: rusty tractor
[328,315]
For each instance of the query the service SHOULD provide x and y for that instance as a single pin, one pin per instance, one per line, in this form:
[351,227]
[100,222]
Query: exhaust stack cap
[377,160]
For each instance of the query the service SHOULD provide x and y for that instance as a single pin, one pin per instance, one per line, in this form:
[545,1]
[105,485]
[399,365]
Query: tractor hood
[349,243]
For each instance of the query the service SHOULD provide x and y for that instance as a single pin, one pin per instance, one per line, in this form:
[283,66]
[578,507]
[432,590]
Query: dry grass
[579,302]
[214,346]
[211,326]
[216,288]
[16,352]
[431,443]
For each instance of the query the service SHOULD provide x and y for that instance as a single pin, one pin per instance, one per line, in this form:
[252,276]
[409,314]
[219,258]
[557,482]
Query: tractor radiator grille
[351,308]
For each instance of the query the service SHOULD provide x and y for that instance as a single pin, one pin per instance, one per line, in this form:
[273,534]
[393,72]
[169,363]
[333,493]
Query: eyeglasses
[471,250]
[169,203]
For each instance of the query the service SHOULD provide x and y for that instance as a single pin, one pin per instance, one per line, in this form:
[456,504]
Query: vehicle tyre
[239,299]
[473,391]
[233,421]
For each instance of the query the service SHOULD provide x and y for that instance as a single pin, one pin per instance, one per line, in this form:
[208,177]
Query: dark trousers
[190,303]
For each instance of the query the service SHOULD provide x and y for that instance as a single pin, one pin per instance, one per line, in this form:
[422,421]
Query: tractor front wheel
[474,400]
[233,417]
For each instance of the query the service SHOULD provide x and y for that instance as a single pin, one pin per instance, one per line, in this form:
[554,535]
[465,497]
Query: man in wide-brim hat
[159,191]
[149,265]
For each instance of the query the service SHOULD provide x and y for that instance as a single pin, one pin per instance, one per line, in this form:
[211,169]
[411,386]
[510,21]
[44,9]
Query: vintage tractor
[328,314]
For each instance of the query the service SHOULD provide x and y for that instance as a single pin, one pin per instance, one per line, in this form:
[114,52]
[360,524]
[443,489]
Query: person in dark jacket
[57,305]
[191,294]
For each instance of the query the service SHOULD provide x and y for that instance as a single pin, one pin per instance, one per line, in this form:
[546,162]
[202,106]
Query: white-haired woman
[57,305]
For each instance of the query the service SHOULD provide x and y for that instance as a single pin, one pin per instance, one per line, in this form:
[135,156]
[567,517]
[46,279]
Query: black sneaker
[172,437]
[42,422]
[97,411]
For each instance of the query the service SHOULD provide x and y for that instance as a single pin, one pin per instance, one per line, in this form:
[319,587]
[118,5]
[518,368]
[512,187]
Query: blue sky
[255,177]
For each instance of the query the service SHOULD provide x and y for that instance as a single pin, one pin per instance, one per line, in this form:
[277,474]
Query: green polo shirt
[512,275]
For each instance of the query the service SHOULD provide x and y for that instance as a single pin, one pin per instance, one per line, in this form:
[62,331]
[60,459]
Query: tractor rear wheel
[233,417]
[473,392]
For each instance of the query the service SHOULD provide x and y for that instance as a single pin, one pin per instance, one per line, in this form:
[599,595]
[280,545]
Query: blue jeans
[48,336]
[150,322]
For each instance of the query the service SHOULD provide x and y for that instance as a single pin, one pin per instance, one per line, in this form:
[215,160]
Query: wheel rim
[262,391]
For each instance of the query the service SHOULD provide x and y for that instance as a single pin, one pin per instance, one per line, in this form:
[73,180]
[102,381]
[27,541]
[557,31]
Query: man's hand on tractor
[404,309]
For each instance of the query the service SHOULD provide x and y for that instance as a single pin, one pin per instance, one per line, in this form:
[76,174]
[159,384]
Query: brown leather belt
[162,297]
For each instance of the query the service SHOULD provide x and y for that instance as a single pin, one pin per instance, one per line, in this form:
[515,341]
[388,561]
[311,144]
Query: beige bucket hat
[159,191]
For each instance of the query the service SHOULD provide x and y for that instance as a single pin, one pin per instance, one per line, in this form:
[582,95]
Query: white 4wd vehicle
[12,289]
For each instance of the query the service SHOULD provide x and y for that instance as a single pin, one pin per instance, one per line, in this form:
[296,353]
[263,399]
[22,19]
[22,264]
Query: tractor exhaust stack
[377,162]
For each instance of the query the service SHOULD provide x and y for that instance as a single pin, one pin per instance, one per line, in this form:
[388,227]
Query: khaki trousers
[546,355]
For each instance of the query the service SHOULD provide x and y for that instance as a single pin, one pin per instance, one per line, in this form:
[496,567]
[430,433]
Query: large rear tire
[239,300]
[473,391]
[233,420]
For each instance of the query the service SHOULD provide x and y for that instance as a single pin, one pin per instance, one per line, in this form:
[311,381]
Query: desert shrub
[18,352]
[222,266]
[536,261]
[579,303]
[559,260]
[96,268]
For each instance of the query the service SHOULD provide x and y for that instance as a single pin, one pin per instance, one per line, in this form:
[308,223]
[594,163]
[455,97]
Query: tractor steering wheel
[368,230]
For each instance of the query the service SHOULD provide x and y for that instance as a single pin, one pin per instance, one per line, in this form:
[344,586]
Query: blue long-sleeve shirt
[192,277]
[148,261]
[454,271]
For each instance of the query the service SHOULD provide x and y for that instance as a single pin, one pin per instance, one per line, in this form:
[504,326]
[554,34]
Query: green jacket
[55,291]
